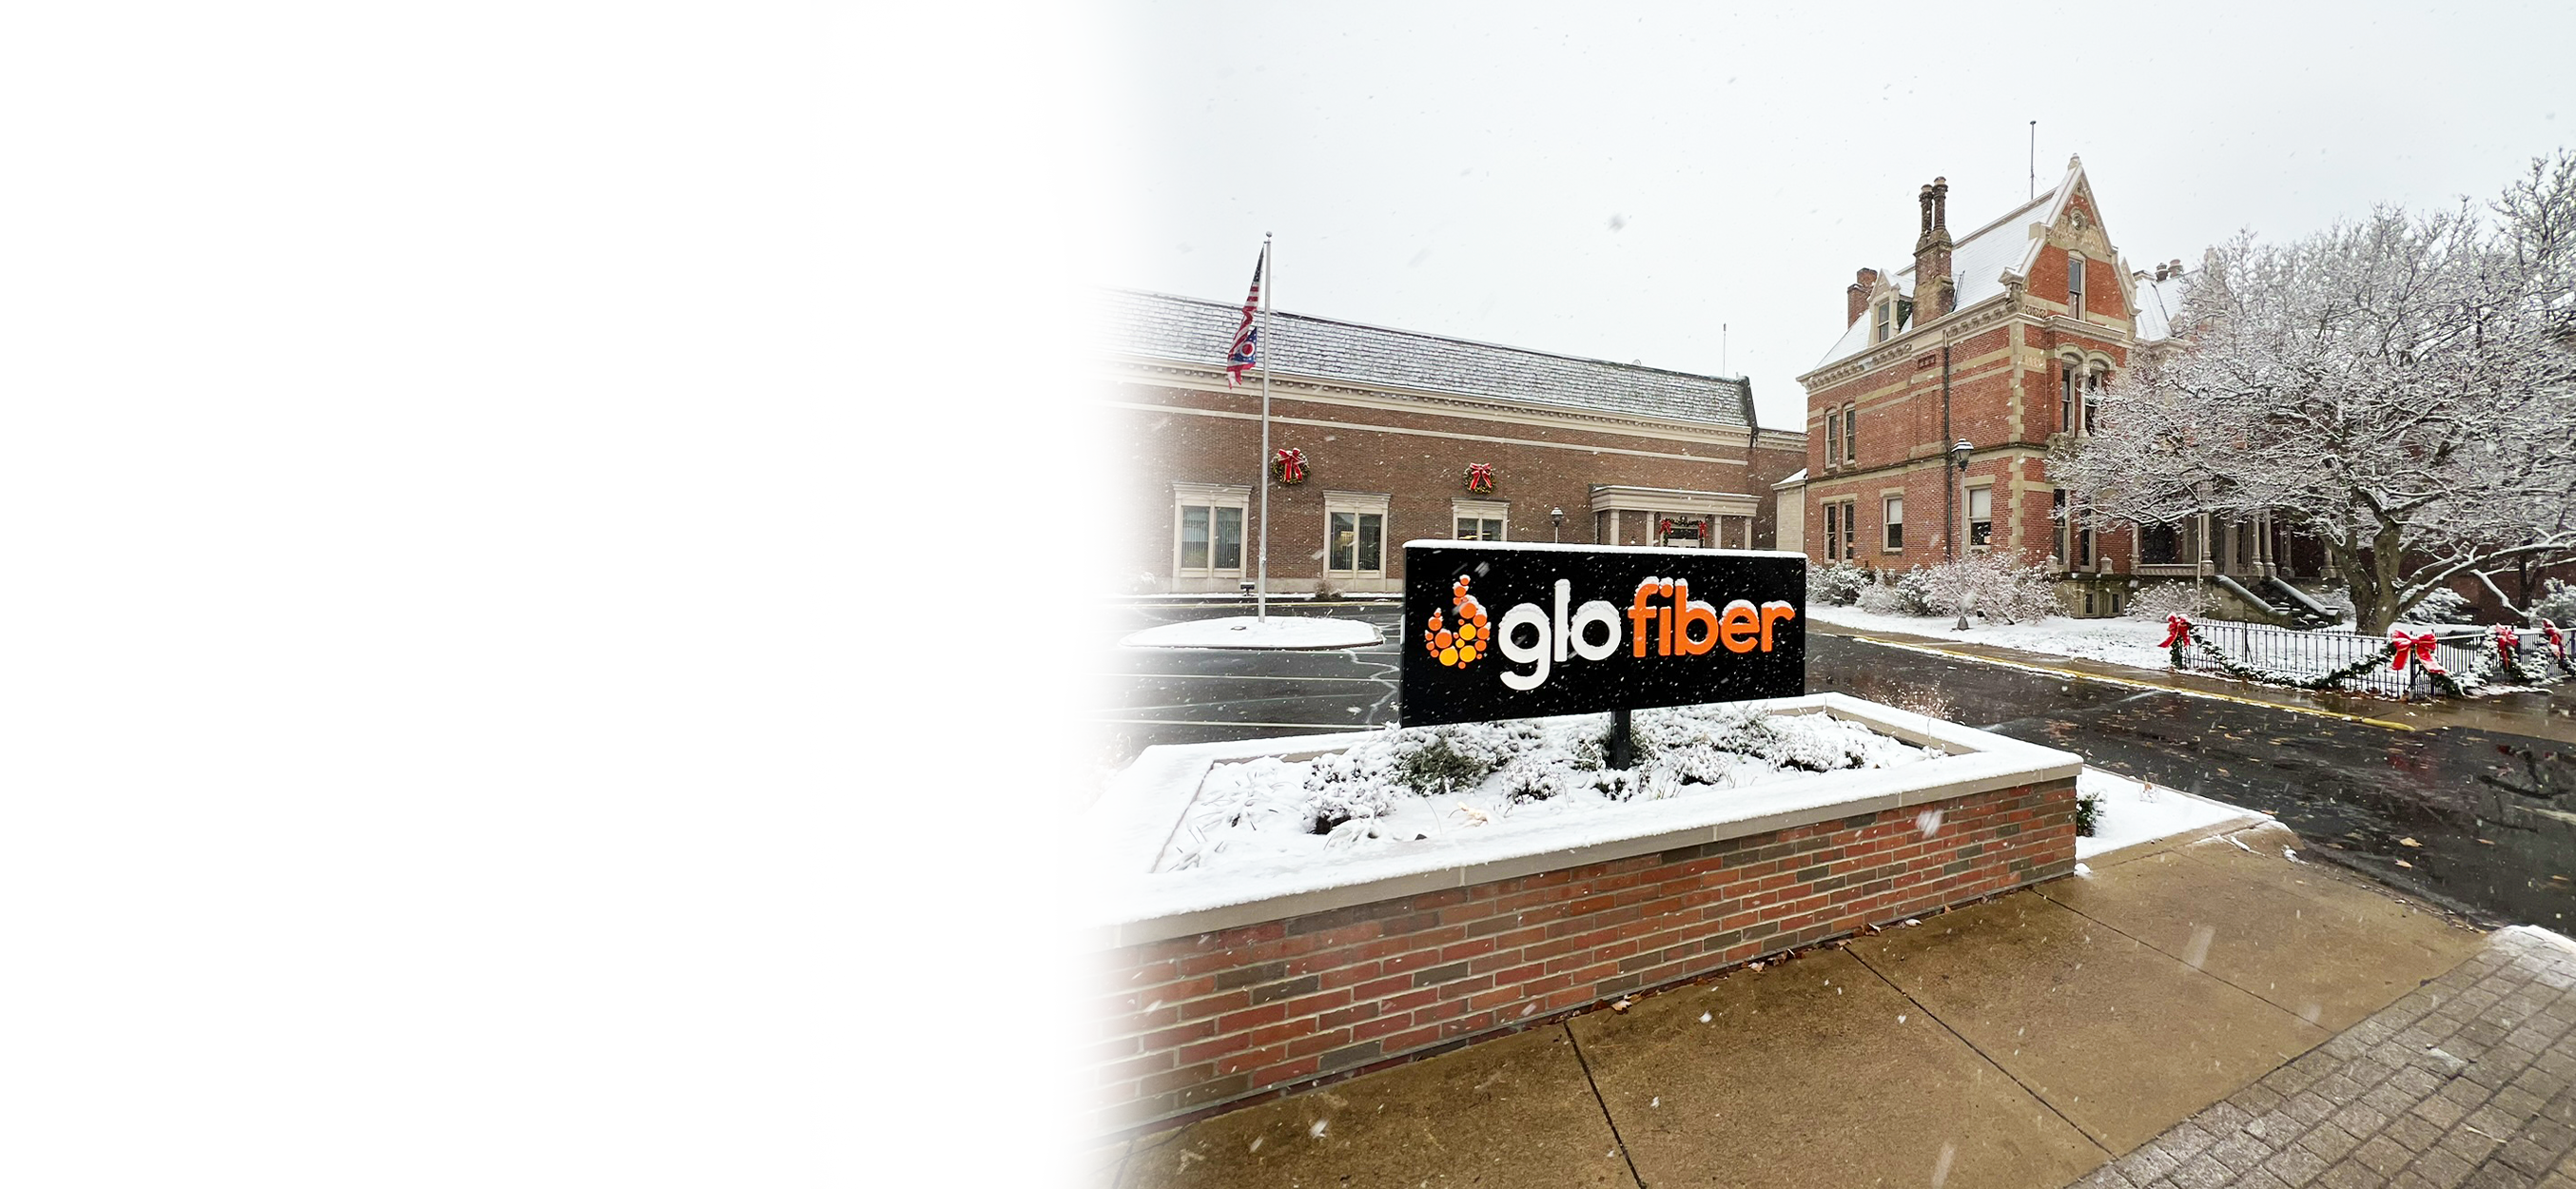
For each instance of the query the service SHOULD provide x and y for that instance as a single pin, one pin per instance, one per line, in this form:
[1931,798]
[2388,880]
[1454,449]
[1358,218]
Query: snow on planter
[1414,788]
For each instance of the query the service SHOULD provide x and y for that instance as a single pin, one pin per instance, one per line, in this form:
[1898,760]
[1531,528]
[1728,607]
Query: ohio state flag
[1245,353]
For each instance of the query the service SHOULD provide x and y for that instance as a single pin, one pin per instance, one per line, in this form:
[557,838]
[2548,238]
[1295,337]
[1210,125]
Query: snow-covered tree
[2401,388]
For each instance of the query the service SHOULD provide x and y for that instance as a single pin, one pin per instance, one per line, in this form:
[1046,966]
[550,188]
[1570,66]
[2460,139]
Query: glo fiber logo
[1467,641]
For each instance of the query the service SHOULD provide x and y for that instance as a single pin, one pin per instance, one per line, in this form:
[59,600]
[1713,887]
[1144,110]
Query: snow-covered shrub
[1446,759]
[2557,604]
[1914,595]
[1324,589]
[1878,598]
[2443,605]
[1995,586]
[2162,599]
[1837,585]
[2088,814]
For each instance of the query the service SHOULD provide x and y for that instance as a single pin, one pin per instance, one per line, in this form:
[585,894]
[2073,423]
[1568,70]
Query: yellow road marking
[2129,684]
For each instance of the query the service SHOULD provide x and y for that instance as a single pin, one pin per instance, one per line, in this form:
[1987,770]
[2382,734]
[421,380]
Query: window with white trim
[1480,520]
[1981,516]
[2075,284]
[1851,434]
[1892,514]
[1833,531]
[1354,534]
[1886,318]
[1207,529]
[1833,437]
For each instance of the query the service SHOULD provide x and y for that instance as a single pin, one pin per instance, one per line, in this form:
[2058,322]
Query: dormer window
[1886,318]
[2075,284]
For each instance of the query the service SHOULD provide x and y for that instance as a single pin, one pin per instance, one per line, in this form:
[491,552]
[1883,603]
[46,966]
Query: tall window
[1851,435]
[1207,529]
[2092,402]
[1886,318]
[1211,538]
[1893,514]
[1851,530]
[1833,436]
[2068,376]
[1981,516]
[1833,532]
[2075,284]
[1355,542]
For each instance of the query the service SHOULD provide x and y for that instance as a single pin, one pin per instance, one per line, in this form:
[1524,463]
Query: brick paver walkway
[2470,1080]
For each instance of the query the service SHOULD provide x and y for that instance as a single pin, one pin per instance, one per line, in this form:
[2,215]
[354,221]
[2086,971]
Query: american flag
[1245,352]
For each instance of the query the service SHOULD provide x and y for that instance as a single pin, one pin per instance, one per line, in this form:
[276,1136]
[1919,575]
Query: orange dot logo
[1461,642]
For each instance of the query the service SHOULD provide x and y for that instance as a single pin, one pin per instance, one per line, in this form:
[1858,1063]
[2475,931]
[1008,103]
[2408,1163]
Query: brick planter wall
[1196,1022]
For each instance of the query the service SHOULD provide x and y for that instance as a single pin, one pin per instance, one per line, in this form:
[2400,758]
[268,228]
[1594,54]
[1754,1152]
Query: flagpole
[1261,579]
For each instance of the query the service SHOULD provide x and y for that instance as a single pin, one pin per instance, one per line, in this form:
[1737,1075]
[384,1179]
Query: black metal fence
[2312,654]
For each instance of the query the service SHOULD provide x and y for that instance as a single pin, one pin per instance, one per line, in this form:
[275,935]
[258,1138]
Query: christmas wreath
[1288,466]
[1480,478]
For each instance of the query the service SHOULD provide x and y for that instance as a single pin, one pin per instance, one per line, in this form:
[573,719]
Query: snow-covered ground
[2129,642]
[1244,631]
[1514,778]
[2135,811]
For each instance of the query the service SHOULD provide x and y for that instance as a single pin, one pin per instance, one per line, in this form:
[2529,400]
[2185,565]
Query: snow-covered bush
[1878,598]
[2172,598]
[1995,587]
[2557,604]
[2088,815]
[1837,585]
[2443,605]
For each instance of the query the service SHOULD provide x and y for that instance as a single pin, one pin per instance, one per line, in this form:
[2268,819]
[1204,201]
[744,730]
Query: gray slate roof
[1187,330]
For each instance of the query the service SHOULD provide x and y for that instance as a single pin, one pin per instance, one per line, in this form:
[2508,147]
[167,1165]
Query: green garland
[2443,683]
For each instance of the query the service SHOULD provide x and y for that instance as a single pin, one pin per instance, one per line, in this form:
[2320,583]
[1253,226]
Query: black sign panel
[1519,631]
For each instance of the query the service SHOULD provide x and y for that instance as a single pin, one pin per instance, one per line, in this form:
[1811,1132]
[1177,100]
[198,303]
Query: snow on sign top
[1526,631]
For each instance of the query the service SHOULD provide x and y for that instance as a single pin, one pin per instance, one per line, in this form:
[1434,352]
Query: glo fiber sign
[1522,631]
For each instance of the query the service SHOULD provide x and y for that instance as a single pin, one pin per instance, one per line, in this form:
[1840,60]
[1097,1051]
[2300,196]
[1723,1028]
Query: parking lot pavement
[1194,695]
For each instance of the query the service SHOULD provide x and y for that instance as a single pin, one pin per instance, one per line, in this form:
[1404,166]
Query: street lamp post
[1959,451]
[1556,524]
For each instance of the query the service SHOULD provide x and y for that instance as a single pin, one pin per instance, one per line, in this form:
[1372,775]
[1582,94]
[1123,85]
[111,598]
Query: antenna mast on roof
[1721,349]
[2034,159]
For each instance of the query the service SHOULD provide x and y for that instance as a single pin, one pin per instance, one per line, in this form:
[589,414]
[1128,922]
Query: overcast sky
[1621,184]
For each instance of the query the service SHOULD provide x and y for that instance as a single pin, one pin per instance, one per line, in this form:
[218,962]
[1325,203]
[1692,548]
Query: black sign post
[1495,631]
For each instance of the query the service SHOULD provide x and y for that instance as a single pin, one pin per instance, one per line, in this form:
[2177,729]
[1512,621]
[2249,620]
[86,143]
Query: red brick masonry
[1218,1017]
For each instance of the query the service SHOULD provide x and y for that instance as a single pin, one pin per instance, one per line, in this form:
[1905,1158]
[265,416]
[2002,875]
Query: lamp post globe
[1556,524]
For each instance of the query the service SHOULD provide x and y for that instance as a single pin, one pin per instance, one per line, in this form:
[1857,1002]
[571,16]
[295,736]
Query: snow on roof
[1187,330]
[1792,480]
[1978,261]
[2158,303]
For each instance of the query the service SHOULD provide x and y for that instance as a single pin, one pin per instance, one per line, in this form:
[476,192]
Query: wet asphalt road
[2494,814]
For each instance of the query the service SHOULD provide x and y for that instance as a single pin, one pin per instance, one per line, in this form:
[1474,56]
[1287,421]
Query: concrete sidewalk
[2549,715]
[2032,1040]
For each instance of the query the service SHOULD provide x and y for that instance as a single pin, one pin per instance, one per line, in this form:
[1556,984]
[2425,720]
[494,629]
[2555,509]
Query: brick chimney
[1933,294]
[1856,298]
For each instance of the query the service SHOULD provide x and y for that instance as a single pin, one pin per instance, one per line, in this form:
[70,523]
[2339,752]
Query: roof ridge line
[1444,337]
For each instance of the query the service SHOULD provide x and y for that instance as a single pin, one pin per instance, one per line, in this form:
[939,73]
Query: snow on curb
[1245,631]
[1131,827]
[2135,812]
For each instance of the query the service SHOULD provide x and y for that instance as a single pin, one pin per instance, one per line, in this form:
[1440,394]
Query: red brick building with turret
[2000,338]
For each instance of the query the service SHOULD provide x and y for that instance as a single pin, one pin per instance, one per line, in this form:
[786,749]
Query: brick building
[1388,423]
[2002,339]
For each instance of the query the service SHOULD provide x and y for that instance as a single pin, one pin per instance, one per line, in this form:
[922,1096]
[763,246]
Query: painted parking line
[2128,684]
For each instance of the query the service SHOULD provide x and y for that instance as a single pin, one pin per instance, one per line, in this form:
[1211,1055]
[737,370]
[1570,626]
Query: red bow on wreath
[2557,640]
[2506,642]
[1480,477]
[2421,646]
[2177,631]
[1290,463]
